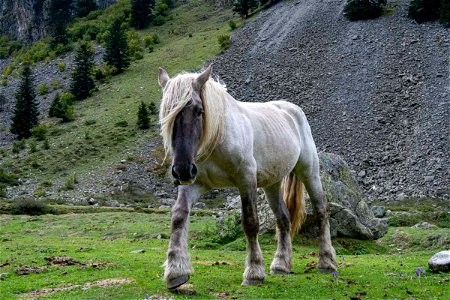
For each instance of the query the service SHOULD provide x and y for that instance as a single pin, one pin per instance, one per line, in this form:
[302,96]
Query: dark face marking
[187,131]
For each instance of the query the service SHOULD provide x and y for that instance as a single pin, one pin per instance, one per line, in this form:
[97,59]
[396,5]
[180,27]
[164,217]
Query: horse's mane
[177,94]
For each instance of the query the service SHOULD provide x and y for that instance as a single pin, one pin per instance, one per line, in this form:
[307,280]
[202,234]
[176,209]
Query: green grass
[104,241]
[92,143]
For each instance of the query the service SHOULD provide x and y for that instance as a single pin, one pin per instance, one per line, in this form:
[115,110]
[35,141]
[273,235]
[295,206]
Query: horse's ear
[202,79]
[163,77]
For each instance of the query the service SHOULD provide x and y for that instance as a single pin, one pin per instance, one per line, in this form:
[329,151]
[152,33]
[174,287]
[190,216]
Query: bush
[159,20]
[121,124]
[102,73]
[232,24]
[18,146]
[56,85]
[27,206]
[62,107]
[5,180]
[424,10]
[364,9]
[224,42]
[33,146]
[70,182]
[151,40]
[46,145]
[42,89]
[229,228]
[443,220]
[39,132]
[134,45]
[61,66]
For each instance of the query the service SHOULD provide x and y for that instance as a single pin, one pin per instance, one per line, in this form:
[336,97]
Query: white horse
[216,141]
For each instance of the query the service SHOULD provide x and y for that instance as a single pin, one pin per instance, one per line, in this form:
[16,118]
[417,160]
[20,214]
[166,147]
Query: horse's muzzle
[185,174]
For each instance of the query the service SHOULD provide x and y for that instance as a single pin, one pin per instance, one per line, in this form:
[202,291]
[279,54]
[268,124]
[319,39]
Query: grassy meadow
[93,256]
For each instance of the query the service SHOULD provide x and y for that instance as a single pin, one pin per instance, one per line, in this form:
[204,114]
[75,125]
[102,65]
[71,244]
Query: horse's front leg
[178,265]
[254,270]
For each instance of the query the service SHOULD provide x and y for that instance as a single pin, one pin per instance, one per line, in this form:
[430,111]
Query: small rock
[429,178]
[168,202]
[378,211]
[362,173]
[138,251]
[425,225]
[440,262]
[161,194]
[199,205]
[3,276]
[113,203]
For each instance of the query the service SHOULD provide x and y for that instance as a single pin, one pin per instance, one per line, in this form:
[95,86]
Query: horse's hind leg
[309,173]
[282,262]
[254,273]
[178,266]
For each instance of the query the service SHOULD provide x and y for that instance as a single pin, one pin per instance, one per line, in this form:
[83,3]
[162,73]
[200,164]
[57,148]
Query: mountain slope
[376,92]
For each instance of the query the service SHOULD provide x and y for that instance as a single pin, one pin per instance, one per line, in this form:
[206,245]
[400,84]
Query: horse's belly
[272,168]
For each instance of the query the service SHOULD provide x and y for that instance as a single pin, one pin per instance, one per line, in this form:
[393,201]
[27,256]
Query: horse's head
[187,128]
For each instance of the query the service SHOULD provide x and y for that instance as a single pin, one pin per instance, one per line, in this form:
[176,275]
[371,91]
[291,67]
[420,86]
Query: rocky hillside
[25,20]
[376,92]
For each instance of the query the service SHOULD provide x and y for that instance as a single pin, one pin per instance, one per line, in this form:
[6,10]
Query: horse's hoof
[176,282]
[280,272]
[252,281]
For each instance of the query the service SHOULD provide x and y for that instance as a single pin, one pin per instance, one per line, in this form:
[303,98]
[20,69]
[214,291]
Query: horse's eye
[199,112]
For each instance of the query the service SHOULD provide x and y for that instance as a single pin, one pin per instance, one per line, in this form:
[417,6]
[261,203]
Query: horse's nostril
[193,171]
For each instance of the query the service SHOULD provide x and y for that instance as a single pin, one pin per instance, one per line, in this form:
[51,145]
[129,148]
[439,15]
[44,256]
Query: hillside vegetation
[104,131]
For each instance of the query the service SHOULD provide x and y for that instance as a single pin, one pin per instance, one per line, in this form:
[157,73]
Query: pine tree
[84,7]
[56,109]
[141,13]
[117,54]
[152,109]
[25,115]
[243,7]
[82,82]
[143,121]
[59,15]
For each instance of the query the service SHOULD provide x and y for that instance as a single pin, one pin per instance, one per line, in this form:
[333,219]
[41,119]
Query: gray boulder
[378,211]
[350,216]
[440,262]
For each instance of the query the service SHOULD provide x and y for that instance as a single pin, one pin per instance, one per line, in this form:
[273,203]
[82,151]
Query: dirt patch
[28,270]
[6,263]
[311,254]
[310,266]
[62,261]
[185,289]
[100,283]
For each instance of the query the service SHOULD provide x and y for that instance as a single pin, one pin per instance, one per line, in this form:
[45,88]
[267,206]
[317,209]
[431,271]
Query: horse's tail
[292,192]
